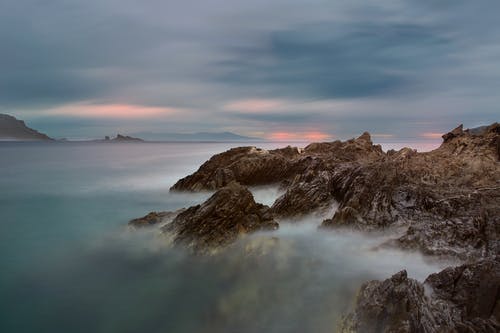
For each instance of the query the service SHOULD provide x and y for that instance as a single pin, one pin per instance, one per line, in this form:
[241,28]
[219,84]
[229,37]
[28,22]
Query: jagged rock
[246,165]
[473,291]
[397,304]
[231,211]
[460,299]
[307,193]
[359,149]
[456,132]
[448,198]
[154,218]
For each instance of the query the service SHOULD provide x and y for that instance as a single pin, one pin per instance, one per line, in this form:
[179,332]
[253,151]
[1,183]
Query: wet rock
[397,304]
[231,211]
[310,192]
[254,166]
[154,219]
[473,291]
[246,165]
[460,299]
[448,198]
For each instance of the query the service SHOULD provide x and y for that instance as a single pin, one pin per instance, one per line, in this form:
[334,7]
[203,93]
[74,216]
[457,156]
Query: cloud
[332,60]
[121,111]
[431,135]
[299,136]
[390,66]
[254,105]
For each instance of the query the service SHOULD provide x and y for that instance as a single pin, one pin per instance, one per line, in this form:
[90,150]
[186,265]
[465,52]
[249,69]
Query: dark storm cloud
[362,60]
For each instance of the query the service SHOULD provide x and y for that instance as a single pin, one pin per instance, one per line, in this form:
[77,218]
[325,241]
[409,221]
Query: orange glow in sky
[111,111]
[431,135]
[307,136]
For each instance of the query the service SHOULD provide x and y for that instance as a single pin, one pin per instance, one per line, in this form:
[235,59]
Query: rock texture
[446,202]
[154,218]
[459,299]
[246,165]
[449,198]
[230,212]
[14,129]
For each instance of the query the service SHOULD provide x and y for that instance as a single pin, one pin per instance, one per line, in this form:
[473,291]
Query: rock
[310,192]
[460,299]
[473,290]
[456,132]
[246,165]
[449,198]
[229,212]
[14,129]
[397,304]
[154,218]
[254,166]
[124,138]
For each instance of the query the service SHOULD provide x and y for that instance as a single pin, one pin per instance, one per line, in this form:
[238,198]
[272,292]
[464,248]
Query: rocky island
[122,138]
[444,203]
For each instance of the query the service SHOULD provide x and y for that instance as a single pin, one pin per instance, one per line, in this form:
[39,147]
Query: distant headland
[13,129]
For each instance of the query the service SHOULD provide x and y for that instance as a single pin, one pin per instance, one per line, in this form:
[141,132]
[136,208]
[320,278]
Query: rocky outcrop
[460,299]
[14,129]
[311,191]
[449,198]
[445,202]
[304,173]
[230,212]
[125,138]
[398,304]
[154,218]
[246,165]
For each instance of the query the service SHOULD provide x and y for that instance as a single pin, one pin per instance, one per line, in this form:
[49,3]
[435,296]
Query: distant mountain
[201,136]
[14,129]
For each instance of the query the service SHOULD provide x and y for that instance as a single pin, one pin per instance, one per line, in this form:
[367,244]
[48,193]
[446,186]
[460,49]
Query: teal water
[69,264]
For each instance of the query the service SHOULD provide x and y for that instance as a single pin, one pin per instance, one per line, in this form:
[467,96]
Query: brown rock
[231,211]
[449,198]
[460,299]
[246,165]
[456,132]
[154,218]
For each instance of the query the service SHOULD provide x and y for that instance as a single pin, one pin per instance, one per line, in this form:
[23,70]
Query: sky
[282,69]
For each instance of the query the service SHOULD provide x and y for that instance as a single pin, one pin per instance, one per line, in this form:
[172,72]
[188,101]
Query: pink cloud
[301,136]
[431,135]
[112,111]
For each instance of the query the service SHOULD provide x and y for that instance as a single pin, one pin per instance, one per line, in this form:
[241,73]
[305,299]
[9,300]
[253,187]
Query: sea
[69,263]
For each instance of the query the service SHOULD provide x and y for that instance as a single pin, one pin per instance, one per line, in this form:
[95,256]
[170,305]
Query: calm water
[69,264]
